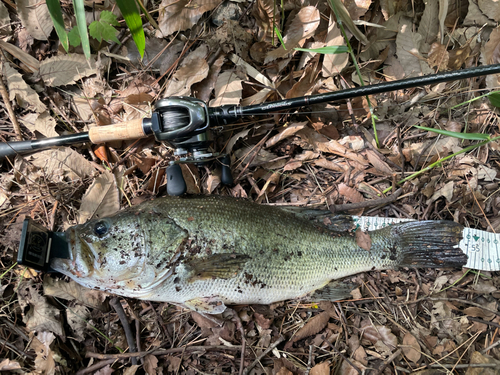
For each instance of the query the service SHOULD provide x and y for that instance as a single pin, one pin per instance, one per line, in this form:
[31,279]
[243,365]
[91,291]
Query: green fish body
[207,252]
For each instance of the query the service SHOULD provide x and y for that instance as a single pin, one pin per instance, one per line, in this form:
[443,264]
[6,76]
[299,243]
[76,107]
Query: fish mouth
[80,262]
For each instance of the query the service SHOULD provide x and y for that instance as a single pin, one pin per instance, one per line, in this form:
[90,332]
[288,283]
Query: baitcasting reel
[184,123]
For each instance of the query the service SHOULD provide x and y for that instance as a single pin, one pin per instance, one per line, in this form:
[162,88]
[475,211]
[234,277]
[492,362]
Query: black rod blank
[430,79]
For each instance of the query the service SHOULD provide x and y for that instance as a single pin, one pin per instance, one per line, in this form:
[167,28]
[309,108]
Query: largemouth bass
[207,252]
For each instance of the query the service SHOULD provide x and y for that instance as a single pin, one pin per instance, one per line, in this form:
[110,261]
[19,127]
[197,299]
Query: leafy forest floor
[326,156]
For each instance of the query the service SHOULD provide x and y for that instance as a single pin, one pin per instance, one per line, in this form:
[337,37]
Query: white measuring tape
[482,248]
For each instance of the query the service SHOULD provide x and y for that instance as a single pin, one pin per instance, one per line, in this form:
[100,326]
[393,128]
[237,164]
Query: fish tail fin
[430,244]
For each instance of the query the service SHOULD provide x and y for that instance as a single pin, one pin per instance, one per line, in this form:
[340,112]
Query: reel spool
[183,122]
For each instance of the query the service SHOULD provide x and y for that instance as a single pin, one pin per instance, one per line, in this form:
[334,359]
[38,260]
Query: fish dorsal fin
[334,222]
[216,266]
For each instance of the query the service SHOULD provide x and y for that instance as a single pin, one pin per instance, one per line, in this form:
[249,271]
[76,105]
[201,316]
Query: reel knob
[175,181]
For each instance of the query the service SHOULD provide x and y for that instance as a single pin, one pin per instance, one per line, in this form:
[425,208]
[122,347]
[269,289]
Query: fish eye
[100,228]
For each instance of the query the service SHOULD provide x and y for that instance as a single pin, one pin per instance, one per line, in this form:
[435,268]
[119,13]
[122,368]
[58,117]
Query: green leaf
[103,29]
[74,37]
[81,23]
[325,50]
[133,19]
[278,34]
[494,98]
[57,18]
[469,136]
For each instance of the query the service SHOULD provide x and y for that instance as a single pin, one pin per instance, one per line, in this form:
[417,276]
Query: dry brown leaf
[35,17]
[377,162]
[322,368]
[347,21]
[323,144]
[150,364]
[131,370]
[351,194]
[8,365]
[376,333]
[478,358]
[44,361]
[429,23]
[286,131]
[228,89]
[191,177]
[106,370]
[307,81]
[266,13]
[302,27]
[438,56]
[43,123]
[179,15]
[476,17]
[480,313]
[363,239]
[412,350]
[194,69]
[19,90]
[31,64]
[332,165]
[76,316]
[72,291]
[458,57]
[212,182]
[393,70]
[357,8]
[284,371]
[204,88]
[101,199]
[313,326]
[408,44]
[490,8]
[347,369]
[63,161]
[4,22]
[66,69]
[38,314]
[334,63]
[490,54]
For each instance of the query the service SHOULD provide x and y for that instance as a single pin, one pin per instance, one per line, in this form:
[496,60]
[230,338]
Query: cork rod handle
[121,131]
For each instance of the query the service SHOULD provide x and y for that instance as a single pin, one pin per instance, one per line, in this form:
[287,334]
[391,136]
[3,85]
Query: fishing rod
[185,123]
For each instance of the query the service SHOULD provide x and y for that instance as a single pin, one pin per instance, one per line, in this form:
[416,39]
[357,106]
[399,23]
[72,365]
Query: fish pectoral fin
[333,291]
[207,305]
[216,266]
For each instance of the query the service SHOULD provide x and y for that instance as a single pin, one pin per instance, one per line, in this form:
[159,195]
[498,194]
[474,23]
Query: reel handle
[175,181]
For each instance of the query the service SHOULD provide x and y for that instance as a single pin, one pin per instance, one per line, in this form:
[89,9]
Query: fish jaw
[80,264]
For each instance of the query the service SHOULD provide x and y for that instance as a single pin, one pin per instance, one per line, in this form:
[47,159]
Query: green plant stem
[358,71]
[474,99]
[437,163]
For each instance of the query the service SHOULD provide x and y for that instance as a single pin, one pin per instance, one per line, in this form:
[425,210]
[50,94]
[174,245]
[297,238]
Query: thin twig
[117,305]
[494,345]
[452,300]
[387,362]
[263,354]
[344,357]
[95,367]
[309,360]
[365,204]
[158,352]
[6,102]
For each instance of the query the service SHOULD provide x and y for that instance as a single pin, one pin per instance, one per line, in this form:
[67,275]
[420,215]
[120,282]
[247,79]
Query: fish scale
[208,251]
